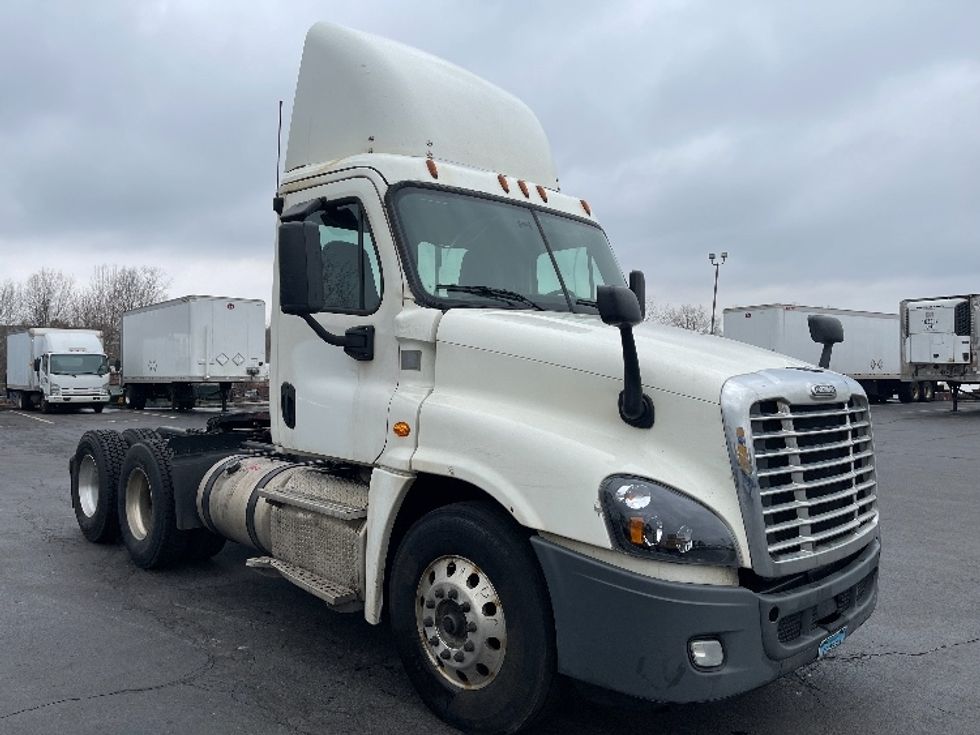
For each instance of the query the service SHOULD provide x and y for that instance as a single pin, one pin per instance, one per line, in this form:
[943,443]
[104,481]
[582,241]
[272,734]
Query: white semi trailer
[471,427]
[170,347]
[48,367]
[940,340]
[870,352]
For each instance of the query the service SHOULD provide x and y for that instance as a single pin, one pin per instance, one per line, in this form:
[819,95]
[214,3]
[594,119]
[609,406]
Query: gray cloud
[831,149]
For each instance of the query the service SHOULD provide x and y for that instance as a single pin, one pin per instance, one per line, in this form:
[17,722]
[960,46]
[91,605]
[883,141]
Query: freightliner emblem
[823,391]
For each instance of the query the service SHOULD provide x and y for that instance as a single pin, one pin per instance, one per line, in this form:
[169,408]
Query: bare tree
[114,289]
[47,298]
[9,303]
[686,316]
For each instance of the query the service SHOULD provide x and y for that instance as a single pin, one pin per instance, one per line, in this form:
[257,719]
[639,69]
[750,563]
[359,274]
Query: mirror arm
[358,342]
[825,355]
[635,407]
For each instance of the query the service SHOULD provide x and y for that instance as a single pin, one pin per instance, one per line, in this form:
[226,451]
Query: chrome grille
[816,475]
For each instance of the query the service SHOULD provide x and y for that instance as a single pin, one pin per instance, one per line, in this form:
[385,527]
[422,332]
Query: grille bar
[821,500]
[815,473]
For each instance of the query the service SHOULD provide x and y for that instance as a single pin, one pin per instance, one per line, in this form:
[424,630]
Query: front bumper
[80,399]
[629,633]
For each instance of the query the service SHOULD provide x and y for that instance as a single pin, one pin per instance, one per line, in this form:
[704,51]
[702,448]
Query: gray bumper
[629,633]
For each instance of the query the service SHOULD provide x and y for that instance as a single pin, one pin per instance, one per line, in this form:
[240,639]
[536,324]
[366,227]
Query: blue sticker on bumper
[831,642]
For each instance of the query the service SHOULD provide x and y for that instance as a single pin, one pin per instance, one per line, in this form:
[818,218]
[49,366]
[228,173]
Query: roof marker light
[503,183]
[401,429]
[542,193]
[523,184]
[431,165]
[586,207]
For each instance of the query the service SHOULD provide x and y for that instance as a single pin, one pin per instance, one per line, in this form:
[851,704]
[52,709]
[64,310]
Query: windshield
[79,364]
[468,250]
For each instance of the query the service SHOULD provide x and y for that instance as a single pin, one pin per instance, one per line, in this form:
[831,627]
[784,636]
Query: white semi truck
[471,428]
[171,347]
[48,367]
[870,352]
[940,340]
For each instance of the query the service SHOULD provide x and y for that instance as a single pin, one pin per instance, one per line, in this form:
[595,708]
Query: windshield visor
[468,250]
[79,364]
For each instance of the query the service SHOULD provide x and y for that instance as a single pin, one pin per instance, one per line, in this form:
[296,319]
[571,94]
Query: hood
[675,360]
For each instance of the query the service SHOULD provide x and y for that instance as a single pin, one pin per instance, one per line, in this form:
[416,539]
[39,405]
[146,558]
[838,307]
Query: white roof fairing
[359,93]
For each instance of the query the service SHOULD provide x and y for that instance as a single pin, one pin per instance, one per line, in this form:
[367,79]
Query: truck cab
[48,367]
[472,428]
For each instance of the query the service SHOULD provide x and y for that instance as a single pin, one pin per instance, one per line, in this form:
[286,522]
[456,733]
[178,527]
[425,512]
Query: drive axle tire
[132,436]
[928,391]
[472,619]
[145,502]
[94,479]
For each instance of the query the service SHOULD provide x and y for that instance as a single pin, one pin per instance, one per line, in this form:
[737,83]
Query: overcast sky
[833,149]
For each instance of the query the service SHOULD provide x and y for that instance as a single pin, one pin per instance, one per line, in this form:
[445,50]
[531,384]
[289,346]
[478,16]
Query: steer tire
[145,502]
[514,642]
[98,408]
[94,473]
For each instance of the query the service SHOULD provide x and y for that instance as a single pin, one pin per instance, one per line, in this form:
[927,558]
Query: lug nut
[471,627]
[468,646]
[440,594]
[430,604]
[427,622]
[453,594]
[445,654]
[458,656]
[465,607]
[434,640]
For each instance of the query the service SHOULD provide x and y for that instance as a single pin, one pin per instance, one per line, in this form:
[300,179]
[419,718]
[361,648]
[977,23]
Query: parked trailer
[170,347]
[471,427]
[869,353]
[49,367]
[939,341]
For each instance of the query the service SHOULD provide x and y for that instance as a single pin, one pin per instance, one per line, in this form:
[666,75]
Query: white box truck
[471,427]
[48,367]
[939,341]
[869,353]
[170,347]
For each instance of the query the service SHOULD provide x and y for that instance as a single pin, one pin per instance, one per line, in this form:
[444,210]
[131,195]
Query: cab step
[333,594]
[314,503]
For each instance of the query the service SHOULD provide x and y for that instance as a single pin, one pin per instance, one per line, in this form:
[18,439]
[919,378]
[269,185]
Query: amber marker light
[401,429]
[636,530]
[431,165]
[523,184]
[542,193]
[586,207]
[503,183]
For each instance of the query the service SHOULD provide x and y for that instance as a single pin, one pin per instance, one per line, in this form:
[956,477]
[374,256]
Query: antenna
[279,147]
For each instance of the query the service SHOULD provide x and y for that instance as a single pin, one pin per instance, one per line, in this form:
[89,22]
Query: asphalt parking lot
[90,644]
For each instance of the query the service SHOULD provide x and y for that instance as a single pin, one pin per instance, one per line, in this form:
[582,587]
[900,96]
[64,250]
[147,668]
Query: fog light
[707,653]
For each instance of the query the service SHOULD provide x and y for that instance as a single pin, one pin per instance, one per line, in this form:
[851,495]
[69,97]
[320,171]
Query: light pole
[714,299]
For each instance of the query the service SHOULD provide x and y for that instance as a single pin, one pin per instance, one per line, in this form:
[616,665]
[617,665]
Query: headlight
[652,520]
[55,389]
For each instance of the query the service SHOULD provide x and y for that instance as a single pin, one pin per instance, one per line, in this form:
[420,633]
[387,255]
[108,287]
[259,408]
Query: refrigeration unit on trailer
[471,427]
[48,367]
[869,353]
[939,340]
[170,347]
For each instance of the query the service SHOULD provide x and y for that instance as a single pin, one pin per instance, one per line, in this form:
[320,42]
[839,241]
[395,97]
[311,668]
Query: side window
[351,272]
[578,269]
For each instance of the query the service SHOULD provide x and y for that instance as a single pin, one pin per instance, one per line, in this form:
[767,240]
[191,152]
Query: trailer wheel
[94,477]
[26,404]
[135,397]
[98,407]
[145,502]
[472,619]
[928,391]
[905,392]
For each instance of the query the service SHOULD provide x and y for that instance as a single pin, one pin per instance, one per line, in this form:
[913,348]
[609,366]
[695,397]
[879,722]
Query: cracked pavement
[90,644]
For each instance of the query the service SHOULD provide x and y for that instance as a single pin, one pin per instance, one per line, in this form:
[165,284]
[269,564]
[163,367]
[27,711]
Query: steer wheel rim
[460,622]
[88,485]
[139,504]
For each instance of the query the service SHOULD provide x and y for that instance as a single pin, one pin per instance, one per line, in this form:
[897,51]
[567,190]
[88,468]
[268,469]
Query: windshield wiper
[497,293]
[588,302]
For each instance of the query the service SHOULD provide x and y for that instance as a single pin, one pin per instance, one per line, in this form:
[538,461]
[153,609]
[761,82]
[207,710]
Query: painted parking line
[35,418]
